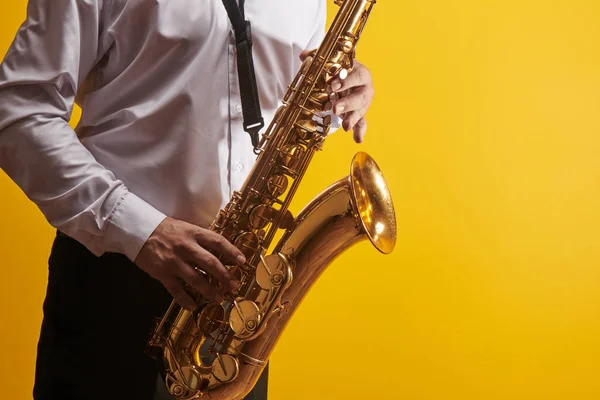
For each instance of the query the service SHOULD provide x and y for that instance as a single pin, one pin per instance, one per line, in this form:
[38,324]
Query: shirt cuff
[130,225]
[336,121]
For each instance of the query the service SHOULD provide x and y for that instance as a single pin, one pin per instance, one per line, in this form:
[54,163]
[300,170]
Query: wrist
[130,225]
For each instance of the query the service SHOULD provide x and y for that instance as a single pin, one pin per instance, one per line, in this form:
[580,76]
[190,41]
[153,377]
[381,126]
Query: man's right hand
[171,252]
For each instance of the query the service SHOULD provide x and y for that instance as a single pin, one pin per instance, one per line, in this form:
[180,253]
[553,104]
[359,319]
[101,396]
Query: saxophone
[219,350]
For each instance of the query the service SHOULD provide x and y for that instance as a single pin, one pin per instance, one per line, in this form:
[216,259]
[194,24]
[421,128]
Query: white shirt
[161,130]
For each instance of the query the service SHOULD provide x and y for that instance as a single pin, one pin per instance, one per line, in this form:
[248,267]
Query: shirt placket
[237,165]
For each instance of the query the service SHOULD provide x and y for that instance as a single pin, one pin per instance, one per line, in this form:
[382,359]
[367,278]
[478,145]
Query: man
[158,150]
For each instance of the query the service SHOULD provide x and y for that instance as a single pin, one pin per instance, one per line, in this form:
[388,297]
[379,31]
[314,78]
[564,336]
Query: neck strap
[253,120]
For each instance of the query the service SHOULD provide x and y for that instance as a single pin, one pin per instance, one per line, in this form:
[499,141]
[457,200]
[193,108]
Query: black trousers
[98,315]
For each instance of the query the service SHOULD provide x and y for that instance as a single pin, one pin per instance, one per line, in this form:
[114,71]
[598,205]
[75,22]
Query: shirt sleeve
[54,50]
[319,28]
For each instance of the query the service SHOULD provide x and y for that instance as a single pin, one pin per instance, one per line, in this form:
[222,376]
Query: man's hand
[172,251]
[354,96]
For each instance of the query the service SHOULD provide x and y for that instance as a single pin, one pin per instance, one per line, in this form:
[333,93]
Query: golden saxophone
[219,350]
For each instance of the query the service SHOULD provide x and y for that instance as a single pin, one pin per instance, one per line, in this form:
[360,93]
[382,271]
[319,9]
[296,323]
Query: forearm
[39,79]
[77,195]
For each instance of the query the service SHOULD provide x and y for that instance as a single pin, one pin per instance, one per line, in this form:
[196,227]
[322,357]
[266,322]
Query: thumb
[304,54]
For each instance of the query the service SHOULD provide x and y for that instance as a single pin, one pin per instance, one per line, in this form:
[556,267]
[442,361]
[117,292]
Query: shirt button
[239,167]
[238,108]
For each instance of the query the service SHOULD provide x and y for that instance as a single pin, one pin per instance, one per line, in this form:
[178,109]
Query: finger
[200,284]
[335,97]
[360,130]
[357,100]
[304,54]
[360,76]
[351,119]
[175,287]
[212,266]
[217,243]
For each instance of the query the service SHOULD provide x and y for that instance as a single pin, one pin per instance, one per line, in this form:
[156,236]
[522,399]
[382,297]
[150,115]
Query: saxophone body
[218,351]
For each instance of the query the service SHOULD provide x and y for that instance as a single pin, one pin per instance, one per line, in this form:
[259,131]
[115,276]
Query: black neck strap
[253,120]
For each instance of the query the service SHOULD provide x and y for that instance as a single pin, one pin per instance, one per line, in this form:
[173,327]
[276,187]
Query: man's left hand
[353,98]
[355,94]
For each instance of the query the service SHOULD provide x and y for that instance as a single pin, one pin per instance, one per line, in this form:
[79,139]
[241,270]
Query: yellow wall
[486,123]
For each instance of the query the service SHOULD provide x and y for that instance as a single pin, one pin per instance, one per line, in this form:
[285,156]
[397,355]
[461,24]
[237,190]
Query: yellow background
[486,123]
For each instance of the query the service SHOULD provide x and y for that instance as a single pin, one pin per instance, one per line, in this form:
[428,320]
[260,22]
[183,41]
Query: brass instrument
[219,350]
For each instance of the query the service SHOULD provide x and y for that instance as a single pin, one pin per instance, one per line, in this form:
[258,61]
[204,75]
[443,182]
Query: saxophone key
[262,215]
[325,121]
[335,70]
[248,243]
[291,155]
[270,272]
[225,368]
[287,221]
[277,185]
[244,318]
[321,101]
[347,45]
[211,318]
